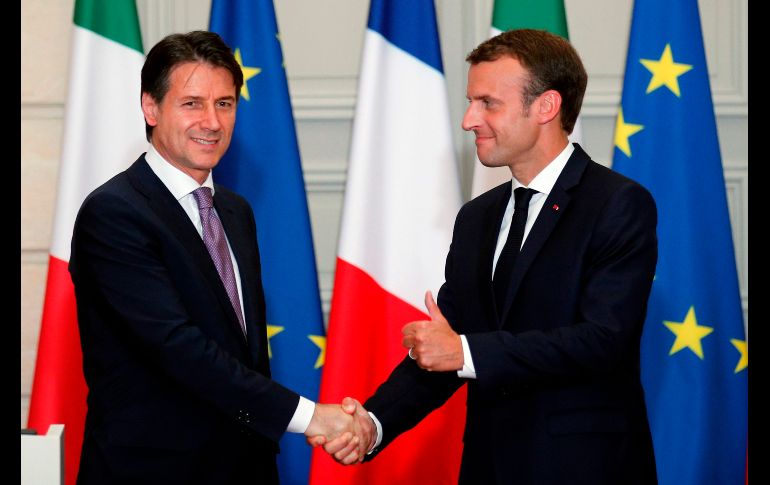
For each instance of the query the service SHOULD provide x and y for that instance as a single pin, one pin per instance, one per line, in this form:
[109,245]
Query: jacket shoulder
[488,198]
[601,180]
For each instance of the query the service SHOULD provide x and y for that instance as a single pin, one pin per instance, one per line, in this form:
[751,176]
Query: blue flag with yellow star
[694,349]
[263,165]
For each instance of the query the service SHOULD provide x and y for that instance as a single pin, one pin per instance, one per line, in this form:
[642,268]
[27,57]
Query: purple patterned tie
[214,239]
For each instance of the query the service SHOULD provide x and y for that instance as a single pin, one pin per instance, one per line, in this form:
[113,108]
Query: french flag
[401,199]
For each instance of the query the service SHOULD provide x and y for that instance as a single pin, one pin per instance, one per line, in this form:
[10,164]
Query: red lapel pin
[555,207]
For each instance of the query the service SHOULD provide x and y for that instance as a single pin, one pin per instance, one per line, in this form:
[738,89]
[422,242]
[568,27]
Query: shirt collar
[546,179]
[177,182]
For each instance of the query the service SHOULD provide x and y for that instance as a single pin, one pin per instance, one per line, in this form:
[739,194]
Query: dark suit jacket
[176,393]
[558,397]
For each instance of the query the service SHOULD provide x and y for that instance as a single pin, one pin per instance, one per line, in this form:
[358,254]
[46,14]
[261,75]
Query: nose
[470,119]
[210,119]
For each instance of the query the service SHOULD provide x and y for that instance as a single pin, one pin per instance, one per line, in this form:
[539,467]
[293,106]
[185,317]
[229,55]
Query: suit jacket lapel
[554,207]
[167,208]
[493,220]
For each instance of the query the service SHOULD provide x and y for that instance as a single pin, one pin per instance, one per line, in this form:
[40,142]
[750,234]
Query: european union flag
[694,349]
[263,165]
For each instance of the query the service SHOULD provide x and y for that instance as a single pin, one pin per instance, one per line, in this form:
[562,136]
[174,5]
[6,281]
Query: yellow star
[320,341]
[248,73]
[623,131]
[272,331]
[665,72]
[743,348]
[688,334]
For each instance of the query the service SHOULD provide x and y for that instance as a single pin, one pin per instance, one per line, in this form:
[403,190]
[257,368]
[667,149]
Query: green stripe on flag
[530,14]
[108,19]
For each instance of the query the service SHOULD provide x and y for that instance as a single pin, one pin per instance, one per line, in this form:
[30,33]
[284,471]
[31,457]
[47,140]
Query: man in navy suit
[177,367]
[549,347]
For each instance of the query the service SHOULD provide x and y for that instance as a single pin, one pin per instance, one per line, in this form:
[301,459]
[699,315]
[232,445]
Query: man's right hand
[331,424]
[348,448]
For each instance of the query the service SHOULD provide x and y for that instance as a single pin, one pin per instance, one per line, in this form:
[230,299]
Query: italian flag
[401,199]
[521,14]
[103,134]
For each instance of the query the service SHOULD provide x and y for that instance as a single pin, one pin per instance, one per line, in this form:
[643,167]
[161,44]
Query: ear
[150,109]
[549,106]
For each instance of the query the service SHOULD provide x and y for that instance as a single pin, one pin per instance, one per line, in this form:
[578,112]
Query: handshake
[346,431]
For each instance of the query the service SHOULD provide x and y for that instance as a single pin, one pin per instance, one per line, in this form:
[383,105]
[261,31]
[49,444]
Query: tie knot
[522,196]
[204,198]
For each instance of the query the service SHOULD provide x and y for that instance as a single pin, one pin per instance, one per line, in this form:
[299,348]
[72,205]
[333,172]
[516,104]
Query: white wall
[322,47]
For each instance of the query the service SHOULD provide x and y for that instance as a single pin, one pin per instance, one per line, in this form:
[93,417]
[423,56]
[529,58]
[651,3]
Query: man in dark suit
[170,303]
[545,330]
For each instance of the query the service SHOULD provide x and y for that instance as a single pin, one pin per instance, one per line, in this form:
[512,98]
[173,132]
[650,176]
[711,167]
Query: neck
[539,158]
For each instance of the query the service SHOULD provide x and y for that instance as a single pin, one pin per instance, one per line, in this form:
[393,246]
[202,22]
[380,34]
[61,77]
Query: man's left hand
[433,344]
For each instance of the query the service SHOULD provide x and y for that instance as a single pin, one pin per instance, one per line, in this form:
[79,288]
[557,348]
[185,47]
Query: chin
[492,163]
[210,161]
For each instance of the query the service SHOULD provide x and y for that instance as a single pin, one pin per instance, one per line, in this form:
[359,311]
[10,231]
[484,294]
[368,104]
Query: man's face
[194,122]
[505,133]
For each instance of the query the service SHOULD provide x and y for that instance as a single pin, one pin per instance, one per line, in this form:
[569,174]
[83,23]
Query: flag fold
[263,165]
[401,197]
[103,134]
[694,348]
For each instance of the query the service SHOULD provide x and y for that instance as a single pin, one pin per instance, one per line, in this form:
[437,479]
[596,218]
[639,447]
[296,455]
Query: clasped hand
[345,430]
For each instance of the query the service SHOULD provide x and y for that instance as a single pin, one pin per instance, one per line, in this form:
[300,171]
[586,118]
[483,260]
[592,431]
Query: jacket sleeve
[411,393]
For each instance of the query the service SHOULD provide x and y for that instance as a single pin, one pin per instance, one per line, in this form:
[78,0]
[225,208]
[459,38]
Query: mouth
[203,141]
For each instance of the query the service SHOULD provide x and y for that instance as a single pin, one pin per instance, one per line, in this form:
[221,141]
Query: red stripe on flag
[363,347]
[59,389]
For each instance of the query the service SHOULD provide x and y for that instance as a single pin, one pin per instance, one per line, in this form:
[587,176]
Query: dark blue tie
[504,269]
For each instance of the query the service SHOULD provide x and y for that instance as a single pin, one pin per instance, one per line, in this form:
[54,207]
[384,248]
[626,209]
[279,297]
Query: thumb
[349,405]
[433,309]
[316,440]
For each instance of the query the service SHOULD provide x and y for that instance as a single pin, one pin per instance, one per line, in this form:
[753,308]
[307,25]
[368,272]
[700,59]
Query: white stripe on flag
[402,190]
[103,126]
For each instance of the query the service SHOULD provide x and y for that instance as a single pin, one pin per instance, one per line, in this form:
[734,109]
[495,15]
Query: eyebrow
[198,98]
[482,97]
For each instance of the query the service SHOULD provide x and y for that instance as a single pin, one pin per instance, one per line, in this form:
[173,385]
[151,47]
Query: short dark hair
[175,49]
[551,61]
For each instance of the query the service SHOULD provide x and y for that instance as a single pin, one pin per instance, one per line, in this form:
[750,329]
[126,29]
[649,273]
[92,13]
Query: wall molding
[325,176]
[42,111]
[34,255]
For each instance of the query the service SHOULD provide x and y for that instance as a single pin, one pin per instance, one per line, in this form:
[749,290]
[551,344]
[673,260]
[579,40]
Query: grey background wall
[322,44]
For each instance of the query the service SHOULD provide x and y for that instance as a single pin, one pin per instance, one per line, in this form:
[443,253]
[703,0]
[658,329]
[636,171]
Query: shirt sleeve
[379,432]
[302,416]
[468,371]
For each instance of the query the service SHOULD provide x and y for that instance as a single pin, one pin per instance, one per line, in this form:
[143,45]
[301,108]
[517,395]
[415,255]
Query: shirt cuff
[302,416]
[468,371]
[379,432]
